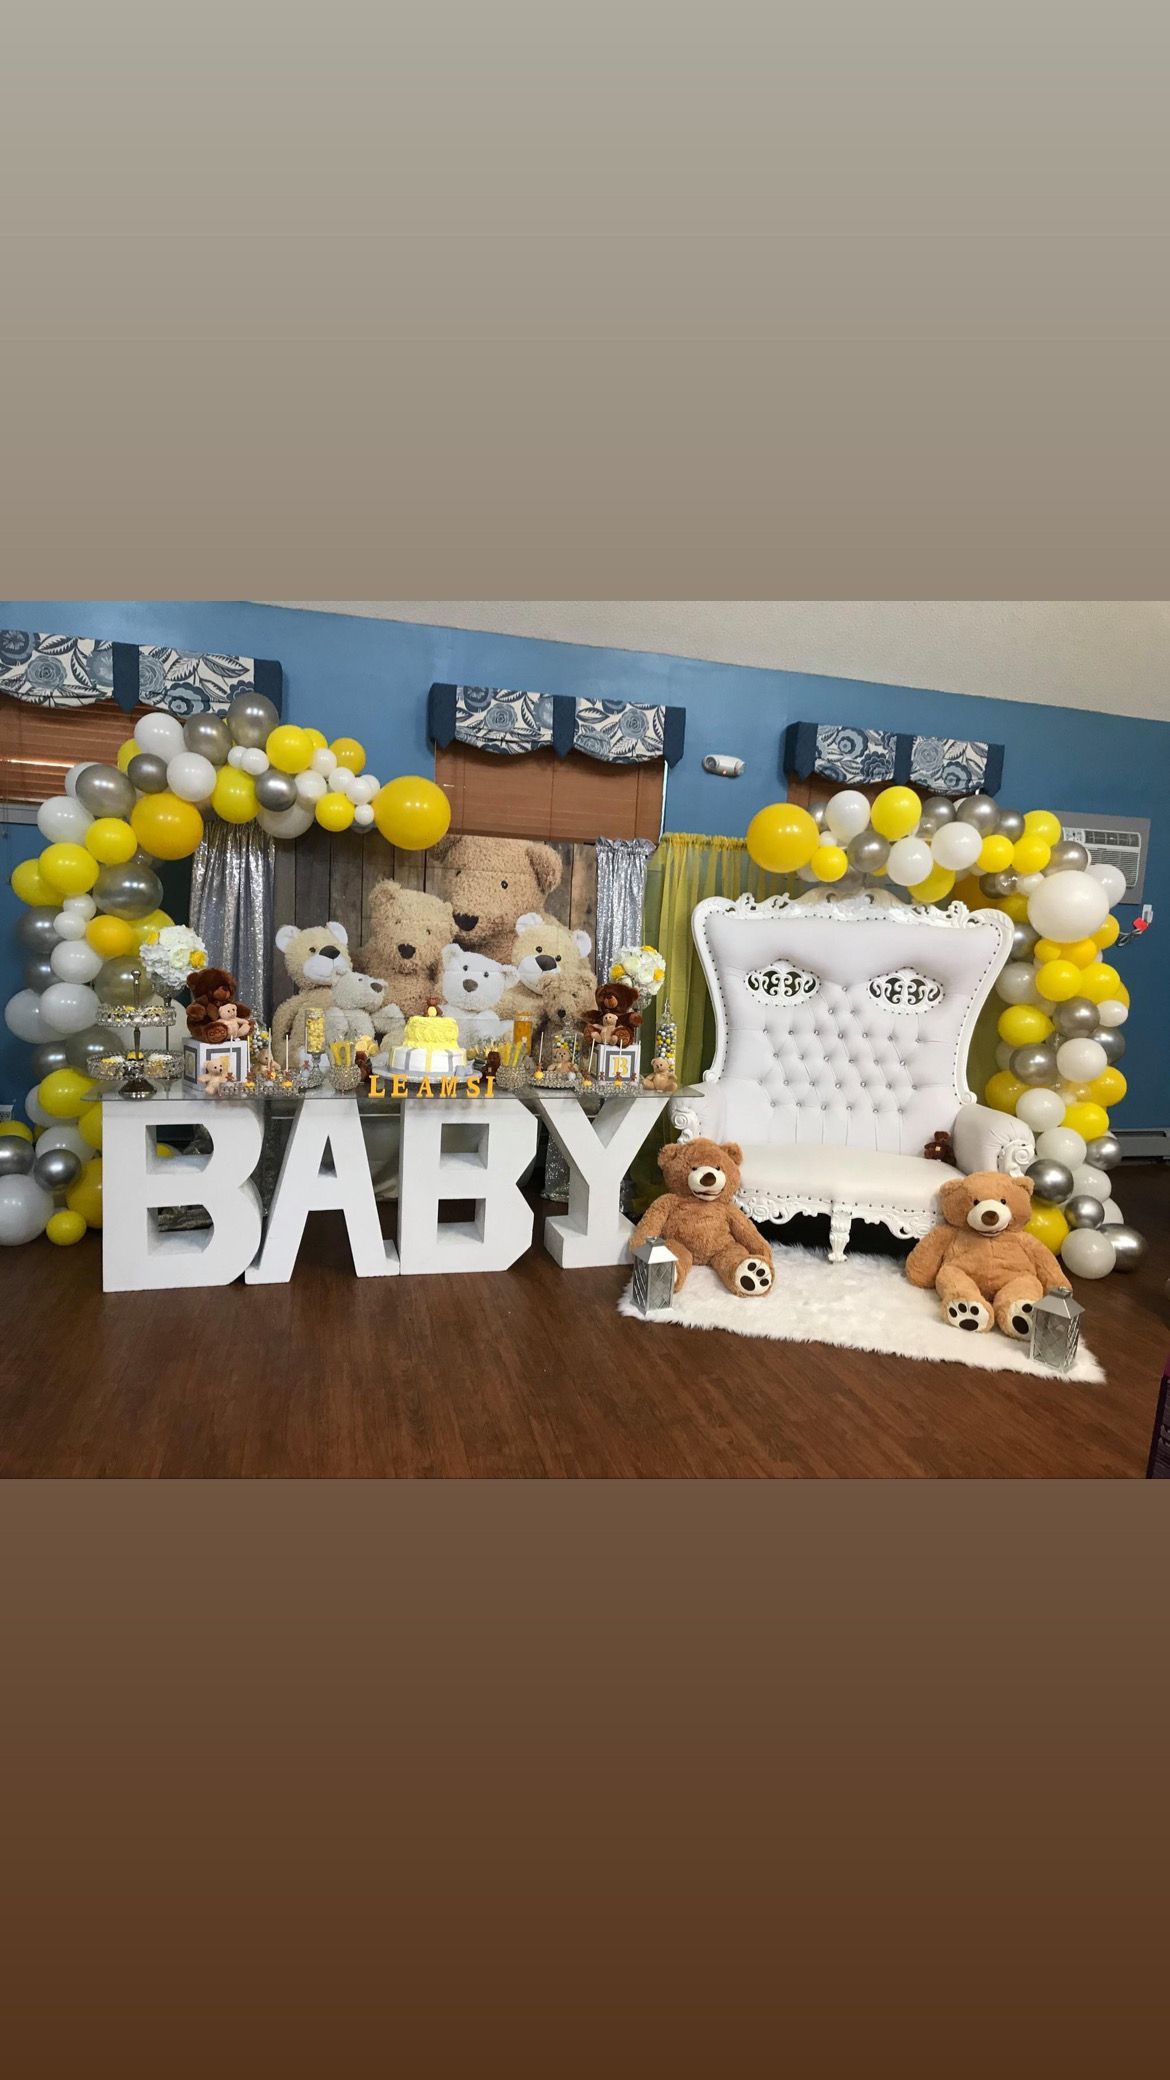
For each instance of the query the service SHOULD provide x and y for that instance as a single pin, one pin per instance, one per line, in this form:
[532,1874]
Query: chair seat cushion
[806,1177]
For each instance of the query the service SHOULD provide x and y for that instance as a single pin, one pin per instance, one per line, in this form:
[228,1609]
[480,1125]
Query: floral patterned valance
[877,757]
[509,721]
[78,671]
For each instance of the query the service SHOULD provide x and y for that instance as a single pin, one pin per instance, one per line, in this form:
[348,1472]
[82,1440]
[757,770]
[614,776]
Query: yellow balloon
[1104,939]
[1048,950]
[1003,1089]
[1087,1120]
[127,750]
[829,862]
[780,838]
[968,891]
[349,753]
[896,812]
[1047,1224]
[1015,907]
[318,739]
[1041,823]
[85,1197]
[111,937]
[288,748]
[995,855]
[413,813]
[1121,993]
[234,795]
[16,1127]
[1098,982]
[938,883]
[28,882]
[1030,855]
[1109,1088]
[1058,980]
[111,841]
[89,1125]
[334,812]
[65,1227]
[69,869]
[1022,1025]
[65,1093]
[166,827]
[163,1148]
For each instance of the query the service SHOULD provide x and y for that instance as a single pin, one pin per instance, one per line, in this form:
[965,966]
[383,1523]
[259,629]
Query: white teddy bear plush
[472,987]
[359,1008]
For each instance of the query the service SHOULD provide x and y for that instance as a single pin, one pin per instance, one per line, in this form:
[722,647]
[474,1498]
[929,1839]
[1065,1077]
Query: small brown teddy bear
[661,1077]
[213,1013]
[619,1018]
[698,1221]
[981,1264]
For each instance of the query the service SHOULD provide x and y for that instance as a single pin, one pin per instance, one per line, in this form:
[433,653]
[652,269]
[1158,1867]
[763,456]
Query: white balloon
[1112,1013]
[909,862]
[63,821]
[1068,906]
[324,760]
[285,823]
[1087,1253]
[254,760]
[371,784]
[342,781]
[63,1134]
[191,776]
[1080,1060]
[36,1111]
[24,1210]
[363,816]
[957,845]
[83,906]
[69,1007]
[68,925]
[74,960]
[311,786]
[22,1015]
[160,734]
[1040,1109]
[1017,983]
[1114,1217]
[75,772]
[1097,1183]
[846,814]
[1062,1144]
[1003,1056]
[235,756]
[1111,878]
[1027,884]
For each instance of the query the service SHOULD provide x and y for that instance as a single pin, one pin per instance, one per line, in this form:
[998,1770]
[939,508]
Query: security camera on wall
[727,768]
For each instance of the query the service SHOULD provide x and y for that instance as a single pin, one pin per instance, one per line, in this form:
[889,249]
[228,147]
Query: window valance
[77,671]
[878,757]
[509,721]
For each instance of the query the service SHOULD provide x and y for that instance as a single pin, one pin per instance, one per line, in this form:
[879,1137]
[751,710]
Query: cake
[430,1047]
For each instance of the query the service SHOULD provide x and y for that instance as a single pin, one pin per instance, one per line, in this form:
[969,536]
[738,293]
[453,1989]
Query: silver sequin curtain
[231,905]
[621,893]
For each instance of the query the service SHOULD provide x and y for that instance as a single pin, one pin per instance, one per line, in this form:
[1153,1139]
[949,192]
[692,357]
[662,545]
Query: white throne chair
[842,1036]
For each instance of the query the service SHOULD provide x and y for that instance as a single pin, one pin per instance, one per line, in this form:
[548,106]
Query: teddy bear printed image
[490,883]
[985,1269]
[408,931]
[617,1015]
[472,987]
[554,981]
[213,1015]
[360,1008]
[699,1222]
[315,957]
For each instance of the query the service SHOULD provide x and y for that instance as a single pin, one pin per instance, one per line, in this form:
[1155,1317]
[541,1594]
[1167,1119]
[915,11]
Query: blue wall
[370,679]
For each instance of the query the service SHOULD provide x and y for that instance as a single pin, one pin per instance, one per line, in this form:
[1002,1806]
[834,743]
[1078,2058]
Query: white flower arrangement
[643,966]
[170,953]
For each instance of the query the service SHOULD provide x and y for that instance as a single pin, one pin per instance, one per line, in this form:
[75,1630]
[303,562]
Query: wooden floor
[531,1374]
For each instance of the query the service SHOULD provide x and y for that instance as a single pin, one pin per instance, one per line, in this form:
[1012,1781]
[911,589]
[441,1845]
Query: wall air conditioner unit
[1143,1144]
[1115,841]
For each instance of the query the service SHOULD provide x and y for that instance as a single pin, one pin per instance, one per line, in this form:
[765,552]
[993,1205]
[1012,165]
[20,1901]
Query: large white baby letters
[136,1255]
[323,1127]
[489,1148]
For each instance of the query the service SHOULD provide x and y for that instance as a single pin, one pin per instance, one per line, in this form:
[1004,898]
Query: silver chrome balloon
[84,1051]
[1053,1181]
[210,736]
[1023,940]
[1074,1018]
[36,930]
[1035,1063]
[1011,824]
[115,983]
[980,810]
[130,892]
[937,811]
[1128,1246]
[147,772]
[104,791]
[996,885]
[251,719]
[1104,1152]
[38,974]
[1068,857]
[1112,1042]
[817,811]
[55,1169]
[50,1055]
[867,851]
[275,790]
[16,1156]
[1083,1211]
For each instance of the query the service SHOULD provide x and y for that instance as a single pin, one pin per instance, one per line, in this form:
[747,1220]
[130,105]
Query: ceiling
[1109,655]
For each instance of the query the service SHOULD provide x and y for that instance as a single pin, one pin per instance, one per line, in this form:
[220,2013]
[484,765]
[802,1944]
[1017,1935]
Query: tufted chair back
[845,1024]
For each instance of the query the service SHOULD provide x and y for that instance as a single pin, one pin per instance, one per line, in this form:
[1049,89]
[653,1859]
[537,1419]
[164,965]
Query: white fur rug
[865,1304]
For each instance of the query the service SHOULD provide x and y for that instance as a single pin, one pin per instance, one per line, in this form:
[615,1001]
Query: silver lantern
[1056,1330]
[655,1268]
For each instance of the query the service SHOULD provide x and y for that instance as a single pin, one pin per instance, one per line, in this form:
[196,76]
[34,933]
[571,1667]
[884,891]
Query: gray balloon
[1075,1018]
[36,930]
[1113,1044]
[115,982]
[1083,1211]
[129,892]
[1128,1246]
[210,736]
[995,885]
[147,773]
[104,791]
[935,813]
[57,1168]
[1035,1064]
[980,810]
[817,812]
[39,974]
[16,1156]
[1068,857]
[867,851]
[1104,1152]
[85,1050]
[1053,1181]
[50,1055]
[1023,940]
[275,790]
[251,720]
[1011,824]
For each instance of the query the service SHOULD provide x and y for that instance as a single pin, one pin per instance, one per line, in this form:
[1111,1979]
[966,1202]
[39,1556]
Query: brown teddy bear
[213,1013]
[619,1018]
[662,1076]
[491,882]
[543,954]
[562,1004]
[981,1264]
[698,1221]
[408,931]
